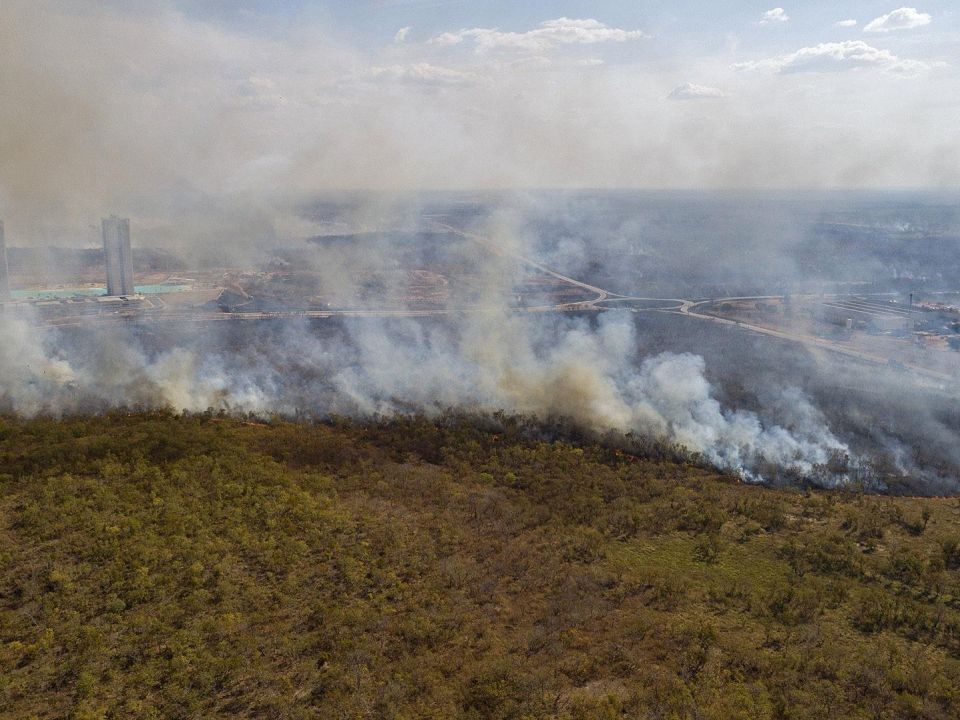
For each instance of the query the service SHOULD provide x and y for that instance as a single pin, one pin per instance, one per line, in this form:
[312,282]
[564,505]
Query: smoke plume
[213,138]
[593,374]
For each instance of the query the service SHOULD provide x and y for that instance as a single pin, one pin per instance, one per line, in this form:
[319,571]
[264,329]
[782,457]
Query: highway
[602,299]
[689,308]
[201,316]
[497,250]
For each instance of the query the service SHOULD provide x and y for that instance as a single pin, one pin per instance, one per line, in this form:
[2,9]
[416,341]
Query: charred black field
[202,566]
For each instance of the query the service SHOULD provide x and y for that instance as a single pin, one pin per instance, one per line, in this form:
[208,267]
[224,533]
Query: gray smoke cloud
[212,139]
[493,361]
[204,133]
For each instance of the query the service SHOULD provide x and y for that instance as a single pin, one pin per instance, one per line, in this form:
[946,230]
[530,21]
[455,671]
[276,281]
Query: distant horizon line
[639,188]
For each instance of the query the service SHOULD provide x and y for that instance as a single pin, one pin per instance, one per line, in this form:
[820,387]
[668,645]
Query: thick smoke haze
[207,131]
[217,131]
[745,403]
[593,375]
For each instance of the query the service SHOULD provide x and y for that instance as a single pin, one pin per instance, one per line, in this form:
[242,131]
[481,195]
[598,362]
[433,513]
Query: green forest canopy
[155,566]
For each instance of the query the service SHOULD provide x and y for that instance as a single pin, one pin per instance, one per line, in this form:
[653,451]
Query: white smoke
[679,401]
[30,378]
[547,366]
[590,375]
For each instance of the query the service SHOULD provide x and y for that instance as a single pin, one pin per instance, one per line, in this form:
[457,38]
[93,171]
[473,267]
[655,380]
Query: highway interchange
[155,310]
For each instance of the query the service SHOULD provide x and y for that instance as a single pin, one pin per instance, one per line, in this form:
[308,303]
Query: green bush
[161,566]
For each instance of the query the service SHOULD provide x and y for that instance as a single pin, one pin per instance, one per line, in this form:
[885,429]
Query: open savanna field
[162,566]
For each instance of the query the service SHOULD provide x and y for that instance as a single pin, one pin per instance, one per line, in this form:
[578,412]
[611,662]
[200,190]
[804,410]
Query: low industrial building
[870,315]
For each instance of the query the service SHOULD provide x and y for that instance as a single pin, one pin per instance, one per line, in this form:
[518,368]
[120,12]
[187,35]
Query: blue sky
[375,21]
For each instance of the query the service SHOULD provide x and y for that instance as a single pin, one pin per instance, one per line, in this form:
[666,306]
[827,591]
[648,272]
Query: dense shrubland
[154,566]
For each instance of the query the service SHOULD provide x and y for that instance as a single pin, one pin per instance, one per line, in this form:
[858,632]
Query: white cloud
[902,19]
[690,91]
[221,127]
[402,34]
[548,35]
[774,17]
[846,23]
[837,57]
[423,74]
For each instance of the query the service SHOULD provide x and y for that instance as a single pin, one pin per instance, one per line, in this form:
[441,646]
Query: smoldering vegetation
[904,433]
[225,140]
[605,377]
[708,245]
[765,409]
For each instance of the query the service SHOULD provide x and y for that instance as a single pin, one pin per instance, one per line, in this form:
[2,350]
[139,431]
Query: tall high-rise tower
[4,268]
[119,259]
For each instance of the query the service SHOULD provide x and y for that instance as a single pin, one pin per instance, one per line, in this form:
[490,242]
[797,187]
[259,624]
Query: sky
[167,104]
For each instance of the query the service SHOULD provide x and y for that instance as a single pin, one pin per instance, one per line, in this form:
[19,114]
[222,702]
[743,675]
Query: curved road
[689,309]
[604,299]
